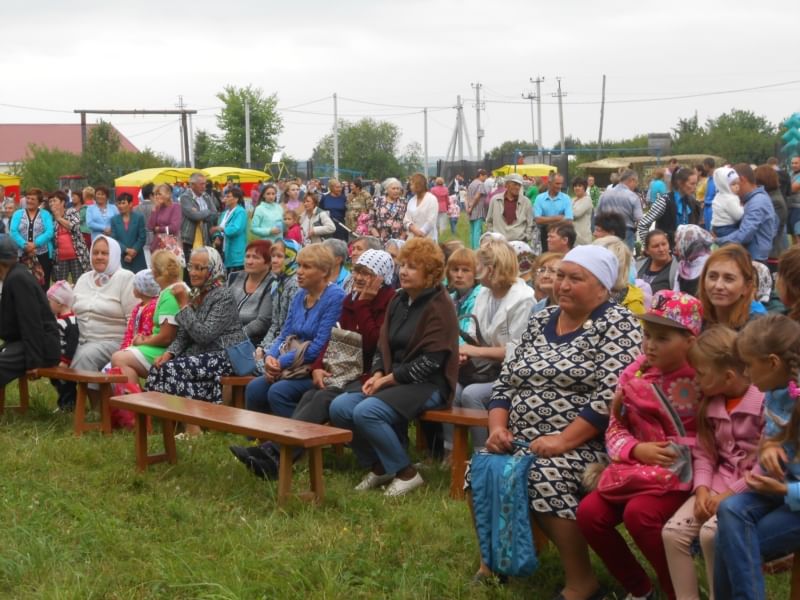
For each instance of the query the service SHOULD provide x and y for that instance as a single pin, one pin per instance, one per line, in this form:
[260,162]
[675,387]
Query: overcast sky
[89,54]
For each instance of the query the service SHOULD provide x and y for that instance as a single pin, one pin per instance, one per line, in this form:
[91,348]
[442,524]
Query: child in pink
[651,428]
[730,421]
[291,223]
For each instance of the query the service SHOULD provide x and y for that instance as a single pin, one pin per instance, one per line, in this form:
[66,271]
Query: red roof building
[15,139]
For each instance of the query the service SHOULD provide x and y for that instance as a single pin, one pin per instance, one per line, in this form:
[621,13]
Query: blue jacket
[235,231]
[267,216]
[758,226]
[45,239]
[778,408]
[133,237]
[95,221]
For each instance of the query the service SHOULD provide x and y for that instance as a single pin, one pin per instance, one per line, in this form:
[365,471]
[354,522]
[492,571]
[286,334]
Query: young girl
[291,224]
[60,297]
[729,425]
[764,522]
[653,421]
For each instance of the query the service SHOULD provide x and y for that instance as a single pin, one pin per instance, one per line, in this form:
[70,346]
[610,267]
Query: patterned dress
[387,218]
[554,379]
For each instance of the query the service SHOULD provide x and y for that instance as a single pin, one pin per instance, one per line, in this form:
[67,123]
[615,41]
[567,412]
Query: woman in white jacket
[726,209]
[501,313]
[315,223]
[420,219]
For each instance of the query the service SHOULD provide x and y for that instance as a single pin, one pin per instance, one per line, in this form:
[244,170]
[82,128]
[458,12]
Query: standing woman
[233,228]
[659,268]
[581,212]
[335,202]
[128,229]
[678,207]
[267,223]
[291,196]
[420,219]
[32,232]
[386,216]
[165,218]
[768,177]
[315,223]
[71,257]
[99,214]
[87,198]
[726,287]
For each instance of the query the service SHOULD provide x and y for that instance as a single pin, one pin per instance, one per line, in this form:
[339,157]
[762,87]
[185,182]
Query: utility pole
[191,145]
[425,140]
[602,114]
[531,96]
[247,132]
[478,107]
[538,81]
[335,137]
[184,158]
[560,95]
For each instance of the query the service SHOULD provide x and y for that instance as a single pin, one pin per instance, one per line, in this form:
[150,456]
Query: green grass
[78,521]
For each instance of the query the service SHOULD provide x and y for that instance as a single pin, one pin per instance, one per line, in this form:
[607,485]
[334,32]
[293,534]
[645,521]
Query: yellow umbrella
[536,170]
[155,175]
[221,175]
[7,180]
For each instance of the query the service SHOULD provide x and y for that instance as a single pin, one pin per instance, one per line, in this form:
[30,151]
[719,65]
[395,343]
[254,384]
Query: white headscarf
[114,260]
[379,262]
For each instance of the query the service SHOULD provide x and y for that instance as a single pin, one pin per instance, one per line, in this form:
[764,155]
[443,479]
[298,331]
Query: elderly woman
[335,202]
[232,227]
[32,231]
[315,222]
[415,368]
[250,290]
[103,300]
[623,292]
[165,219]
[267,223]
[71,257]
[128,229]
[420,217]
[692,249]
[340,274]
[282,289]
[659,268]
[208,323]
[386,216]
[501,315]
[363,312]
[99,214]
[312,314]
[726,287]
[554,395]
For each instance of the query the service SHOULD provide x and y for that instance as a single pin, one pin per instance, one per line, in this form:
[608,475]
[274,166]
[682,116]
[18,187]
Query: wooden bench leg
[315,474]
[285,474]
[140,433]
[238,397]
[80,409]
[540,539]
[23,394]
[458,461]
[795,589]
[105,408]
[168,433]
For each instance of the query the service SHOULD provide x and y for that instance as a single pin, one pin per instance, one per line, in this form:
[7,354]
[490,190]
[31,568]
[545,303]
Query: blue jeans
[373,424]
[751,526]
[630,238]
[279,398]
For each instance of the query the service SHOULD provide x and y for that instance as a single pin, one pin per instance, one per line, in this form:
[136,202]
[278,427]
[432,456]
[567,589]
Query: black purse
[477,370]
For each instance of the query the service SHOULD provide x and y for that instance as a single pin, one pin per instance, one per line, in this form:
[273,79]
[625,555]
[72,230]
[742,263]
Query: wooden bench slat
[232,420]
[472,417]
[67,374]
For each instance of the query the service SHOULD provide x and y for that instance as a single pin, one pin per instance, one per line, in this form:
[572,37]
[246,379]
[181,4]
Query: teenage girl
[729,425]
[653,422]
[764,522]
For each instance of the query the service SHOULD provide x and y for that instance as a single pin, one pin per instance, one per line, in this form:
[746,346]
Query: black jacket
[25,316]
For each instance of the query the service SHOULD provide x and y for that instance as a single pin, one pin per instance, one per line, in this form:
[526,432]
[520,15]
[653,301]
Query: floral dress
[387,218]
[551,381]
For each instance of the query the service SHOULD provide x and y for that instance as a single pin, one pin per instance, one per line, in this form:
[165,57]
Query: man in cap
[510,213]
[27,325]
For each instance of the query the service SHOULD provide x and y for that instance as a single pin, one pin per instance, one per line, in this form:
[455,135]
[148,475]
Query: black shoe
[242,453]
[264,468]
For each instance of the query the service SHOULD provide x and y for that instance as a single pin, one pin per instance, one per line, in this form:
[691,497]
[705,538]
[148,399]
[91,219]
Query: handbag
[477,370]
[34,266]
[344,358]
[298,369]
[167,241]
[242,357]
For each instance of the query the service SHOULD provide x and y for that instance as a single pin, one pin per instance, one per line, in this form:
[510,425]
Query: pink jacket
[442,197]
[736,436]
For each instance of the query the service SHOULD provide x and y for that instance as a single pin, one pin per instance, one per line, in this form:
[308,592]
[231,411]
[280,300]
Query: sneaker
[372,481]
[398,487]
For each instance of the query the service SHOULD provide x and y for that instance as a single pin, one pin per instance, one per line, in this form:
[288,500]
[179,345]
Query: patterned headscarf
[693,247]
[379,262]
[114,260]
[146,284]
[215,276]
[290,262]
[764,289]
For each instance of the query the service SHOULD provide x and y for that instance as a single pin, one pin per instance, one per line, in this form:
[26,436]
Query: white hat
[599,261]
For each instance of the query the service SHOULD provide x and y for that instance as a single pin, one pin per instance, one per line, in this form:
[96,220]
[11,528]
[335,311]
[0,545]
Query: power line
[430,108]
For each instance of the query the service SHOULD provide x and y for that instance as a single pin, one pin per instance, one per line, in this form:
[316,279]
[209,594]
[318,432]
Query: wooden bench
[461,419]
[233,388]
[286,432]
[795,593]
[83,378]
[24,398]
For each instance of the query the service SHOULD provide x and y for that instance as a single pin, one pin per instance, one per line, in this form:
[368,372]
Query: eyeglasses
[199,268]
[543,270]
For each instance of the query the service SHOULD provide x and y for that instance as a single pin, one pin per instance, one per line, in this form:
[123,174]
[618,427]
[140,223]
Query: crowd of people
[639,347]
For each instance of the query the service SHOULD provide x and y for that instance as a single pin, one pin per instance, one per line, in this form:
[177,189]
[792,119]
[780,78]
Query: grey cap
[8,249]
[515,177]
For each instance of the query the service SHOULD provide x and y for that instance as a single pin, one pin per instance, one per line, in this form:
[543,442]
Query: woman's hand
[272,369]
[373,384]
[713,501]
[702,510]
[773,457]
[765,485]
[29,247]
[371,289]
[139,340]
[181,294]
[654,453]
[462,358]
[318,378]
[160,360]
[275,230]
[548,445]
[499,441]
[469,350]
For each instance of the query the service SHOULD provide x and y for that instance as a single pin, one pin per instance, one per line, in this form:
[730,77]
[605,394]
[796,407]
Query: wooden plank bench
[461,419]
[286,432]
[83,379]
[24,397]
[233,388]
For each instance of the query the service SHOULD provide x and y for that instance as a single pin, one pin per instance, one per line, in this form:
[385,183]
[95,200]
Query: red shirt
[66,249]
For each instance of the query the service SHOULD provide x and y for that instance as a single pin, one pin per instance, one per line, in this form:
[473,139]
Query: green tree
[203,149]
[265,126]
[97,162]
[127,162]
[737,136]
[42,167]
[367,146]
[411,160]
[508,148]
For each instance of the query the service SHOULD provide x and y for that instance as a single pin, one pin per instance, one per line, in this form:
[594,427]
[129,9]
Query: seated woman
[501,315]
[137,355]
[250,290]
[103,300]
[415,368]
[362,312]
[659,268]
[545,279]
[207,324]
[726,287]
[554,394]
[283,287]
[461,268]
[692,249]
[312,314]
[624,292]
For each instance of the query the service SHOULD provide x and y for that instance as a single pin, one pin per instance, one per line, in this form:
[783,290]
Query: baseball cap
[675,309]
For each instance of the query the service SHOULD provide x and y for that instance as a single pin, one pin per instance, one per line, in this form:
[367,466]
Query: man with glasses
[199,212]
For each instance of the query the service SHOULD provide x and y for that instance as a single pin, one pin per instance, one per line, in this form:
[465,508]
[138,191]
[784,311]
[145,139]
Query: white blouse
[103,311]
[423,215]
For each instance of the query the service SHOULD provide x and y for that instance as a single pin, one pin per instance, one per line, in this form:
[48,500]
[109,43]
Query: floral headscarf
[215,276]
[114,260]
[693,247]
[146,284]
[379,262]
[764,289]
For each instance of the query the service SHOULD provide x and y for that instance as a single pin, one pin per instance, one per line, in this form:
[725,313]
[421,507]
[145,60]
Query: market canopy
[155,175]
[222,174]
[533,170]
[7,180]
